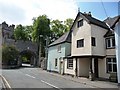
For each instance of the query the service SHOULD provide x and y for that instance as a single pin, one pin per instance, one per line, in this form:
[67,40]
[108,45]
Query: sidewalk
[82,80]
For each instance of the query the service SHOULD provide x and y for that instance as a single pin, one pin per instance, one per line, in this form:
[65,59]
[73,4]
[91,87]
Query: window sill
[110,48]
[70,68]
[111,72]
[56,67]
[59,51]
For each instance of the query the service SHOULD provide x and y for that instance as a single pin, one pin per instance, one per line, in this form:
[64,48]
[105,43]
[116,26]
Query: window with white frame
[70,63]
[110,43]
[111,65]
[59,48]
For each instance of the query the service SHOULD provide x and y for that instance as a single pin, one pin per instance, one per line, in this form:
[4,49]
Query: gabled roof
[90,20]
[109,33]
[64,38]
[112,21]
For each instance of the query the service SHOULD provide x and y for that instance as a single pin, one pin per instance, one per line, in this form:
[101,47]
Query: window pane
[114,60]
[113,42]
[109,68]
[56,62]
[108,43]
[70,63]
[59,48]
[80,43]
[109,60]
[80,23]
[93,41]
[114,68]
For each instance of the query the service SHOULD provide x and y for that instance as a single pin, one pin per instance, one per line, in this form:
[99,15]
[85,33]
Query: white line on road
[6,82]
[50,85]
[29,75]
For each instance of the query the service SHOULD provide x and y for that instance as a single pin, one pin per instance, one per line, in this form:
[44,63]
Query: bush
[9,55]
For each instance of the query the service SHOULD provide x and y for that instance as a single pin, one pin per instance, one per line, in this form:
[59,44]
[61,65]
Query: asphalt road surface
[36,78]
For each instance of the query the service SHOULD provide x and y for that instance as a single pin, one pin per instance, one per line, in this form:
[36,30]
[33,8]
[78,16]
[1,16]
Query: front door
[96,68]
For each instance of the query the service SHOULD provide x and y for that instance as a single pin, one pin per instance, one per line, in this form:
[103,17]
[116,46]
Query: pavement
[86,81]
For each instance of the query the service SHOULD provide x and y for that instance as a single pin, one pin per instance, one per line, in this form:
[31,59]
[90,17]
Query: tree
[68,23]
[40,27]
[28,32]
[58,28]
[9,55]
[41,30]
[23,32]
[19,33]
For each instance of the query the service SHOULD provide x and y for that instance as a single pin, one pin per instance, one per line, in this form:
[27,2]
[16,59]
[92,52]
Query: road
[36,78]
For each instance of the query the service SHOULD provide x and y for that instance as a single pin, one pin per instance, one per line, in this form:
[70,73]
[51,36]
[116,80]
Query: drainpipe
[91,70]
[76,69]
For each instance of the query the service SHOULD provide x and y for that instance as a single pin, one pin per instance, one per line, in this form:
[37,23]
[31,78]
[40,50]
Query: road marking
[6,82]
[51,85]
[29,75]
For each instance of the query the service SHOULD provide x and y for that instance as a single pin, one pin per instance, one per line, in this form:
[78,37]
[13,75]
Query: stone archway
[27,57]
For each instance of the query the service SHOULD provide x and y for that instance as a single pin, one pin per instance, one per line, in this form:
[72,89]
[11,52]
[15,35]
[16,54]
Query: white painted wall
[98,33]
[110,52]
[83,32]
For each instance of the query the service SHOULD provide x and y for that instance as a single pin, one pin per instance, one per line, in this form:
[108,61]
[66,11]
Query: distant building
[24,47]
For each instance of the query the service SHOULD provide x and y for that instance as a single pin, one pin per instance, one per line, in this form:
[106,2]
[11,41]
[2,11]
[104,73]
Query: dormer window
[80,23]
[110,42]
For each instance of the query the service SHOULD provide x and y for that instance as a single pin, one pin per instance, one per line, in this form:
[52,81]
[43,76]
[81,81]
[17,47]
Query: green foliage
[23,32]
[58,28]
[40,27]
[68,23]
[24,59]
[9,54]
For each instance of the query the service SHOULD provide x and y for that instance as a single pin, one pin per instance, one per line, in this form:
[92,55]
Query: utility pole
[46,53]
[38,49]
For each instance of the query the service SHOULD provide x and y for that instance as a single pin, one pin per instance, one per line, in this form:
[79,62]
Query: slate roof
[64,38]
[95,21]
[111,22]
[90,20]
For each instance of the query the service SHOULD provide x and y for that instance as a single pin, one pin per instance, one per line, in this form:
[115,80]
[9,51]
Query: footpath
[86,81]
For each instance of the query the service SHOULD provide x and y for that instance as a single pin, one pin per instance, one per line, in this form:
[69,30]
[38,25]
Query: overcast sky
[22,11]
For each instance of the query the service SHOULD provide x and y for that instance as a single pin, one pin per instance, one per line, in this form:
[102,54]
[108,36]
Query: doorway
[96,74]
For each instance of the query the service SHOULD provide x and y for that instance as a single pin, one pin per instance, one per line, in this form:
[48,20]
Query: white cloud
[22,11]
